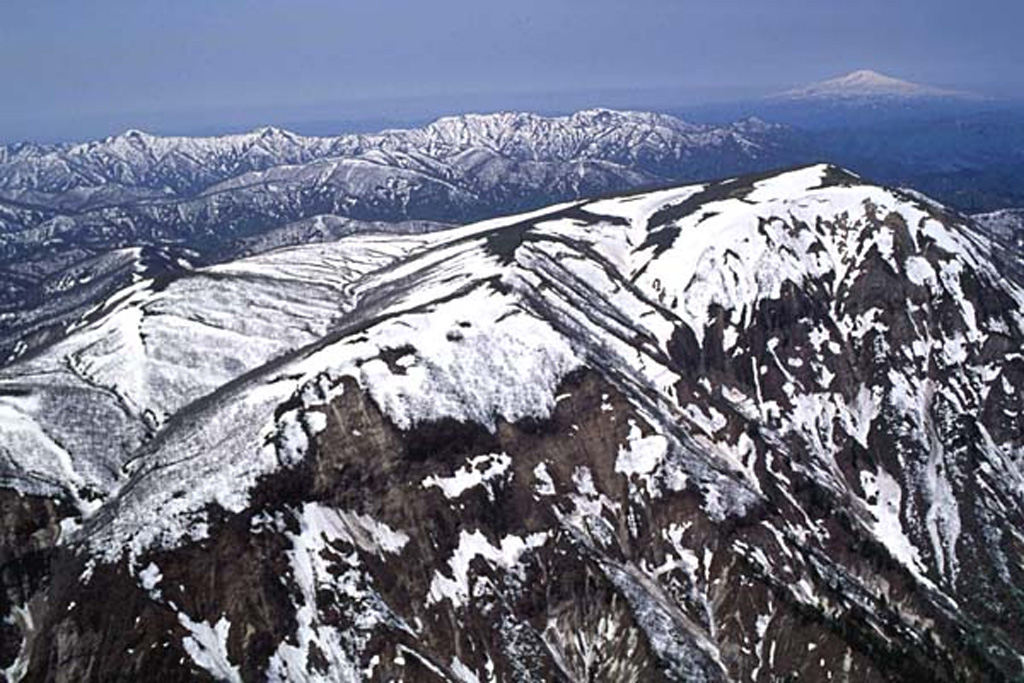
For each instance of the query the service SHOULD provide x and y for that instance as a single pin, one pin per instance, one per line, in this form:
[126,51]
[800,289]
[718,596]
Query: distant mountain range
[211,199]
[136,166]
[79,221]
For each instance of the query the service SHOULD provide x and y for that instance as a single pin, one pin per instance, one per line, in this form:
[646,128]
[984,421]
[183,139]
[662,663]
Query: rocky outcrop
[557,568]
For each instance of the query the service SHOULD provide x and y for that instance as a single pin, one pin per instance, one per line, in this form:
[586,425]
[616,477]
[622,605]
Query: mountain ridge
[226,197]
[659,436]
[446,134]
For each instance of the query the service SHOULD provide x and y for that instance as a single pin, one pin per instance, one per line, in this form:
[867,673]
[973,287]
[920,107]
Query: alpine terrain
[768,428]
[79,221]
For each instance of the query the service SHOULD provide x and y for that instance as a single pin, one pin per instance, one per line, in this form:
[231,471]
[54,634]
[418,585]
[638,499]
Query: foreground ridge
[737,430]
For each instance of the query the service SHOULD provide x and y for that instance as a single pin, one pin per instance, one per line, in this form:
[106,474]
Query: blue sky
[75,69]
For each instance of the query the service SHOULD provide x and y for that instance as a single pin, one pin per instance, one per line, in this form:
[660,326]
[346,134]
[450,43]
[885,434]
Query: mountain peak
[868,76]
[866,83]
[134,134]
[273,133]
[817,377]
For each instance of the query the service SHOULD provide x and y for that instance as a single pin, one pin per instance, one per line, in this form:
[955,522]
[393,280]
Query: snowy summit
[768,424]
[865,84]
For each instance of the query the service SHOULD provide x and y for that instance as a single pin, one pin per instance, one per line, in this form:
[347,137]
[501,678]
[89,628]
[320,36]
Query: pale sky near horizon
[74,69]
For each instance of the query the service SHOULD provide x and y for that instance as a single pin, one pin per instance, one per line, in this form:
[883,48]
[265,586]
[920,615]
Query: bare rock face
[1006,230]
[764,429]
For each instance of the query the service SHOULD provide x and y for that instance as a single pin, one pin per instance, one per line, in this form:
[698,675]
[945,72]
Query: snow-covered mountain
[865,84]
[762,428]
[143,166]
[224,197]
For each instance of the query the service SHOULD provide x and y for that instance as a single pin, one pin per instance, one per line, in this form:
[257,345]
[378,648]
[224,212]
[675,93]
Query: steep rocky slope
[1006,226]
[762,428]
[1006,230]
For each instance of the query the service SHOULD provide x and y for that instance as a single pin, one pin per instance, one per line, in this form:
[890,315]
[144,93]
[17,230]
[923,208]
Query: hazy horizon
[89,70]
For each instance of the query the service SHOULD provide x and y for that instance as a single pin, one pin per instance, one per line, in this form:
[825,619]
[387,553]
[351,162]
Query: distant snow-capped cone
[867,84]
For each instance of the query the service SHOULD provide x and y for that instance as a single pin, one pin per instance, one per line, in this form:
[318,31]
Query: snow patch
[480,469]
[208,647]
[472,545]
